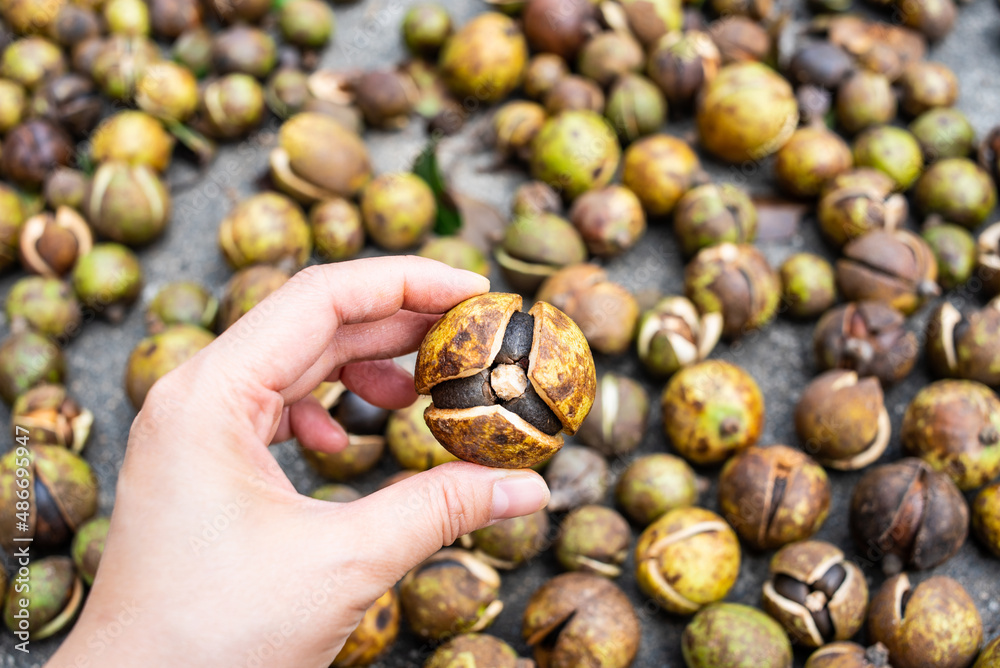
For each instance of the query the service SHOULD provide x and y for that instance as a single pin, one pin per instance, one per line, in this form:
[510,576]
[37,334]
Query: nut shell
[986,517]
[594,539]
[867,337]
[673,335]
[267,228]
[812,156]
[849,211]
[954,425]
[937,625]
[361,455]
[686,559]
[28,359]
[808,285]
[962,345]
[50,245]
[610,220]
[849,655]
[711,214]
[617,420]
[954,250]
[653,485]
[374,635]
[247,288]
[576,476]
[466,342]
[736,281]
[909,515]
[48,416]
[990,656]
[809,563]
[63,495]
[895,267]
[156,355]
[411,441]
[474,434]
[474,650]
[487,74]
[747,112]
[892,150]
[729,635]
[659,169]
[842,421]
[319,158]
[578,619]
[46,305]
[53,599]
[509,543]
[773,496]
[451,592]
[958,190]
[574,152]
[398,210]
[88,547]
[605,311]
[482,321]
[712,410]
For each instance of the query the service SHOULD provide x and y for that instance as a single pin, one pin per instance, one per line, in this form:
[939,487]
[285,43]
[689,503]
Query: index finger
[284,336]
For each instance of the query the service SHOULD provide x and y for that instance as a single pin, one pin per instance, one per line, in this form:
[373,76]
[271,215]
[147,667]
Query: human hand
[287,578]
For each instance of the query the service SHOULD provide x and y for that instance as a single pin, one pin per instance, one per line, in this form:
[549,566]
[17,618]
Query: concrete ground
[779,357]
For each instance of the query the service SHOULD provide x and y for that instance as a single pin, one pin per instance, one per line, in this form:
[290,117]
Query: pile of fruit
[610,107]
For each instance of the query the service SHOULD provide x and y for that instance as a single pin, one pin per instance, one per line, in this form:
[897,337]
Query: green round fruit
[891,150]
[574,152]
[747,112]
[729,635]
[958,190]
[398,210]
[485,59]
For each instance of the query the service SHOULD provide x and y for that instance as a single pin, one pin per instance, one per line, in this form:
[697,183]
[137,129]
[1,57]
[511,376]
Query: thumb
[409,521]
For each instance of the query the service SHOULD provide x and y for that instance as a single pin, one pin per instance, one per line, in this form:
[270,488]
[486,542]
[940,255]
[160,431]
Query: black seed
[750,288]
[552,637]
[383,617]
[905,602]
[359,417]
[961,328]
[464,392]
[49,519]
[530,407]
[516,339]
[823,623]
[831,580]
[791,588]
[776,497]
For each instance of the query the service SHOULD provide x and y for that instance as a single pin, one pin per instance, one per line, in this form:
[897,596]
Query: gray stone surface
[779,357]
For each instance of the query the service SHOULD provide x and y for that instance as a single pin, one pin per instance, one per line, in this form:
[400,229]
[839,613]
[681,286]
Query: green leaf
[449,220]
[278,4]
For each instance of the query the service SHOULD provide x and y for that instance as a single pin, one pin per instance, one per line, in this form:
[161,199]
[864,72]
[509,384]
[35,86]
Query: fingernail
[518,495]
[481,283]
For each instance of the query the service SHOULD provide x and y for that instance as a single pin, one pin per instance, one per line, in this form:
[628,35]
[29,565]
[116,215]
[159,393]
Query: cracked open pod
[505,383]
[580,619]
[451,592]
[686,559]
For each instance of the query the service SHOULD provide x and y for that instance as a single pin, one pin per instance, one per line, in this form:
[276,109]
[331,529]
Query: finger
[380,382]
[396,335]
[421,514]
[285,335]
[308,422]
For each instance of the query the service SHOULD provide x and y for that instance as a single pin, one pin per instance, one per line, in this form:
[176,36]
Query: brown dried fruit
[504,382]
